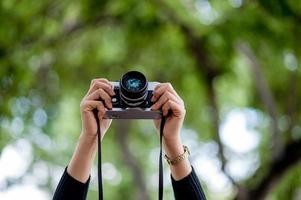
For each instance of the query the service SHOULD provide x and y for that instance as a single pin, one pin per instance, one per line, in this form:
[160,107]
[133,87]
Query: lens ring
[133,82]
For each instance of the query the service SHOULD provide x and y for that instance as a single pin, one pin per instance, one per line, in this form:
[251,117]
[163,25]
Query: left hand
[173,109]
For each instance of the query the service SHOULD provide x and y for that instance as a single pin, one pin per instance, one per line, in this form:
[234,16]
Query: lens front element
[133,84]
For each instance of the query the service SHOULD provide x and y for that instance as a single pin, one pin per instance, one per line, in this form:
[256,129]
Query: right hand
[100,89]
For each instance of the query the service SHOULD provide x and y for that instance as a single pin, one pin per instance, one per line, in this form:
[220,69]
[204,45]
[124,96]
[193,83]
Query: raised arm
[75,180]
[185,182]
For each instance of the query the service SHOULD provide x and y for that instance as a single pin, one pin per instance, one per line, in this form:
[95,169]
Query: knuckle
[98,84]
[83,101]
[108,86]
[104,79]
[101,113]
[94,84]
[83,104]
[103,86]
[100,107]
[93,81]
[168,94]
[100,90]
[107,101]
[169,85]
[184,111]
[100,110]
[104,92]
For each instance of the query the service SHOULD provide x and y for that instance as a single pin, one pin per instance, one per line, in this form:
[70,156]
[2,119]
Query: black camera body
[132,99]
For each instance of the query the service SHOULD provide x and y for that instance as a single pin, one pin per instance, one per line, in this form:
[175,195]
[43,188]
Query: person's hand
[173,109]
[98,97]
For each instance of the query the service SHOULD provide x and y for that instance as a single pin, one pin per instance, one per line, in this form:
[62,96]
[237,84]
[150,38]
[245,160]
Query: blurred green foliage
[51,50]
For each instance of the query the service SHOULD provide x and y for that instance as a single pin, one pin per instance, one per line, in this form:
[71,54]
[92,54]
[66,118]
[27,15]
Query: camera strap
[100,188]
[99,171]
[163,119]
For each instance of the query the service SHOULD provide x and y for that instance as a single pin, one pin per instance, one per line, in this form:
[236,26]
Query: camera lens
[133,88]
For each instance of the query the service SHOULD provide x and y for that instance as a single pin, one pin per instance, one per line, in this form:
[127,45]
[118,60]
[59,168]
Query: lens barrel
[133,88]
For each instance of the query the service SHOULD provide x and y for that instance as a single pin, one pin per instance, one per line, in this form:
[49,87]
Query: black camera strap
[99,172]
[160,159]
[100,188]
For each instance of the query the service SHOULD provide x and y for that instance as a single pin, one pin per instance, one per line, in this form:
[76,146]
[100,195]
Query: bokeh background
[236,63]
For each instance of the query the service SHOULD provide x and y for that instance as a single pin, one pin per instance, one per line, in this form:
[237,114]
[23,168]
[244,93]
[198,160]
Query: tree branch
[290,157]
[285,156]
[292,102]
[266,97]
[68,30]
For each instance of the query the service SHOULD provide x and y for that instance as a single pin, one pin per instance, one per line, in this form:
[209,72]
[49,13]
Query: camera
[132,99]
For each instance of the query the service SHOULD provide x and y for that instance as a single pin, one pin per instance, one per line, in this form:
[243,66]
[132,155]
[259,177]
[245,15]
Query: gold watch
[179,158]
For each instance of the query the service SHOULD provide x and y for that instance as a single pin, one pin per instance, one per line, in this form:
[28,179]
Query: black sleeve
[188,188]
[70,188]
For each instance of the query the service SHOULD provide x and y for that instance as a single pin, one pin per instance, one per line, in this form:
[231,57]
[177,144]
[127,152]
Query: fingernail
[152,99]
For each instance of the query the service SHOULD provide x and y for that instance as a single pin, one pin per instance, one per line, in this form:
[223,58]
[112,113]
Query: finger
[165,108]
[89,105]
[161,88]
[100,84]
[177,109]
[104,80]
[101,94]
[164,98]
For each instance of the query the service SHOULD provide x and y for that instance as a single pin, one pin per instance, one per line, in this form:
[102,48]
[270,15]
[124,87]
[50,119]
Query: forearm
[82,159]
[185,182]
[174,148]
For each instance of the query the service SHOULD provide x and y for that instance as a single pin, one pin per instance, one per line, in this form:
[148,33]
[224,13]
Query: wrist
[174,147]
[180,158]
[89,140]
